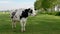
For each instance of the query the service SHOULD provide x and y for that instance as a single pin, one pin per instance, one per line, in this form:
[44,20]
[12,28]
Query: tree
[45,4]
[37,5]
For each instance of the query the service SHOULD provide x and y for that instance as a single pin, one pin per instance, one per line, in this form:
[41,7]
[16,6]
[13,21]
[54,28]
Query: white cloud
[4,2]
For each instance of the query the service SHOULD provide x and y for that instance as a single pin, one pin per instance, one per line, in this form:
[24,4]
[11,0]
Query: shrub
[57,14]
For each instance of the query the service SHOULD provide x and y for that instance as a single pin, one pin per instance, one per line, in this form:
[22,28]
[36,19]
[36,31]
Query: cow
[21,15]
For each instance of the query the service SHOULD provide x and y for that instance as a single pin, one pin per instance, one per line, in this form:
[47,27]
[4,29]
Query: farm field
[40,24]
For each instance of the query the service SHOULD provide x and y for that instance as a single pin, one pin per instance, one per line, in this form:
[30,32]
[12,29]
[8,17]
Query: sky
[15,4]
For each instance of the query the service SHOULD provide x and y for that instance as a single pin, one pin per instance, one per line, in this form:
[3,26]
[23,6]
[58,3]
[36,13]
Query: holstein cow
[21,15]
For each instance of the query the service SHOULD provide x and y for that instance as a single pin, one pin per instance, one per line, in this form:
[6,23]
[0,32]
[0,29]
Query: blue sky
[15,4]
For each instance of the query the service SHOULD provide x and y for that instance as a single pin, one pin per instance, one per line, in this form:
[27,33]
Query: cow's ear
[22,11]
[35,9]
[26,10]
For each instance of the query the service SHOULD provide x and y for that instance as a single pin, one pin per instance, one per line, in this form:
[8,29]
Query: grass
[40,24]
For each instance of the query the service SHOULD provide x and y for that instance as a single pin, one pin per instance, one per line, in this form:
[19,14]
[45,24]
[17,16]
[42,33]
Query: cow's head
[31,12]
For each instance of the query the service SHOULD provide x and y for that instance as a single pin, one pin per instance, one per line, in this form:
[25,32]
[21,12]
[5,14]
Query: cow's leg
[24,25]
[13,24]
[21,22]
[25,19]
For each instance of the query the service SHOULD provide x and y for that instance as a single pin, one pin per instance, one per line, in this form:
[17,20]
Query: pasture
[40,24]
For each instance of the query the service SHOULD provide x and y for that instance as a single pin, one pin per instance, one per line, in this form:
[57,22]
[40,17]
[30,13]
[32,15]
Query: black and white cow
[21,15]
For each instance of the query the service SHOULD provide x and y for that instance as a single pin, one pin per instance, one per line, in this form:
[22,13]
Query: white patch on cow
[23,24]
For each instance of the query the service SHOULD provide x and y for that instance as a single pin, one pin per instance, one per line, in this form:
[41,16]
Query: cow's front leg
[21,22]
[24,26]
[25,20]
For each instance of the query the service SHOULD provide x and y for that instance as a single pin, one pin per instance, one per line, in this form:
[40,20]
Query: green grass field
[40,24]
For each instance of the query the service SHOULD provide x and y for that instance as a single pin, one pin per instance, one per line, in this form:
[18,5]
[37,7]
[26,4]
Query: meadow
[40,24]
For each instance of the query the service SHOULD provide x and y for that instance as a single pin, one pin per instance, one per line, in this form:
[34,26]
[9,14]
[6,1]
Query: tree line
[45,4]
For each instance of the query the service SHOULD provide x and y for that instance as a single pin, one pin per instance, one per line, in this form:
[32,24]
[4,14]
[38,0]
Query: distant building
[57,8]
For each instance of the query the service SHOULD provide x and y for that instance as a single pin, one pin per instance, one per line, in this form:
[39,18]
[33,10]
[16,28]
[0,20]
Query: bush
[52,13]
[57,14]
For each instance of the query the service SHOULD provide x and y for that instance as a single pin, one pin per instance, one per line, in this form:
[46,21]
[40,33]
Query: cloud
[4,2]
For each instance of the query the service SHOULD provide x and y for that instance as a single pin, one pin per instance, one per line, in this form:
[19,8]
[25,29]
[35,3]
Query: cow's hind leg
[14,25]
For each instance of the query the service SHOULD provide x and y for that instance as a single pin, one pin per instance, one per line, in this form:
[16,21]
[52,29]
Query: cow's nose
[35,15]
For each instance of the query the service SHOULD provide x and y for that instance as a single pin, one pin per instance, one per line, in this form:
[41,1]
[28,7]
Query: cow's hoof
[13,30]
[24,30]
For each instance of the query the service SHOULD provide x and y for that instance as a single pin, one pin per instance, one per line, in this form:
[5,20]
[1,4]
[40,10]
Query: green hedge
[56,13]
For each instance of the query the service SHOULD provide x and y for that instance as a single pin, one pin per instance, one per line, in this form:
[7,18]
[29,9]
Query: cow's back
[17,14]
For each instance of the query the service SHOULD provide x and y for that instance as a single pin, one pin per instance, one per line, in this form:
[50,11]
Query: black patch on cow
[24,14]
[13,14]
